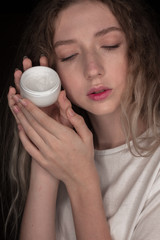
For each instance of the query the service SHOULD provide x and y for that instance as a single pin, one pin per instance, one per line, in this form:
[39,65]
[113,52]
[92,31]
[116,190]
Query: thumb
[79,124]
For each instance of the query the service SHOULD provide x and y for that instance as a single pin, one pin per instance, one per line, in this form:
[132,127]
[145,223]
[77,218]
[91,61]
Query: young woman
[94,168]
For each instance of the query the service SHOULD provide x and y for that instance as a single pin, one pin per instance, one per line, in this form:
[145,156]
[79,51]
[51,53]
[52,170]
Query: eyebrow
[64,42]
[107,30]
[98,34]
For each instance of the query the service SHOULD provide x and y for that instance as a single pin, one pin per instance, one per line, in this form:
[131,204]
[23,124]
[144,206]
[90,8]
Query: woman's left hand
[66,154]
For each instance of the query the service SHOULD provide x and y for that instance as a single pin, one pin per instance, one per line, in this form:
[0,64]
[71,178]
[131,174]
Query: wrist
[87,183]
[87,205]
[40,175]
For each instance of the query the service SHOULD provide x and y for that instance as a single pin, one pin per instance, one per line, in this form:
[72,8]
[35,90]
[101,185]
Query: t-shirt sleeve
[148,225]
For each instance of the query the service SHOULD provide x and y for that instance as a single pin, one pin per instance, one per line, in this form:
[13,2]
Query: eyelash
[68,58]
[109,48]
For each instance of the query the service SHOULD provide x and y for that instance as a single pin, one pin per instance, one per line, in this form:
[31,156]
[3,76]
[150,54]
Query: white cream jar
[41,85]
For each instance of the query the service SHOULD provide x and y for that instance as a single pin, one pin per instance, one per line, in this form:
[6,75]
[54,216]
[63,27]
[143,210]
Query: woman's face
[91,56]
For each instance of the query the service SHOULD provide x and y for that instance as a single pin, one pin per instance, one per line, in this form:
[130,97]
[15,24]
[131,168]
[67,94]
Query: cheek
[121,72]
[64,77]
[70,79]
[69,85]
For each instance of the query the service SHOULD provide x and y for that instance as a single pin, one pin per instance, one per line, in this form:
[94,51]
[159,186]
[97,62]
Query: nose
[93,66]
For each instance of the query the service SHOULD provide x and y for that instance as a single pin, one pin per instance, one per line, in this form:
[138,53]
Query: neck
[108,131]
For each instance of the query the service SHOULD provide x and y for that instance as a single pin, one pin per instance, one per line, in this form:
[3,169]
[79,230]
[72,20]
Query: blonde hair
[140,101]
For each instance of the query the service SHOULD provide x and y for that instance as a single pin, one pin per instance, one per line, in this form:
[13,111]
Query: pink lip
[99,93]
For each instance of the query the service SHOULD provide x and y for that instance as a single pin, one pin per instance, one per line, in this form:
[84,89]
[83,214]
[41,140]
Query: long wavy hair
[140,101]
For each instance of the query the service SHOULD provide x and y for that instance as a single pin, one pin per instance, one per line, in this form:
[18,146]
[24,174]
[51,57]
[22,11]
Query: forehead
[83,17]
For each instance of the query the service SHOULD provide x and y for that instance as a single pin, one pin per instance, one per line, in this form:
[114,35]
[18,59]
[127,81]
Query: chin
[104,111]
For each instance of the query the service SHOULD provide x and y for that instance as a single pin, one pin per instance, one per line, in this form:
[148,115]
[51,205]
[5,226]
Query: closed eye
[69,58]
[112,47]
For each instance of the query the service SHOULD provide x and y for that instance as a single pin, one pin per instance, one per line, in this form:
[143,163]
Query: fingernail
[16,69]
[70,112]
[20,128]
[23,102]
[25,57]
[16,98]
[15,109]
[42,55]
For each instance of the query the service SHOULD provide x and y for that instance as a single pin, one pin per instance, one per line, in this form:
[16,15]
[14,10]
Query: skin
[59,152]
[93,63]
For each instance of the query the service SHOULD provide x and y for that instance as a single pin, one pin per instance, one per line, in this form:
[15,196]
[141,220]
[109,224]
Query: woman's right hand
[56,111]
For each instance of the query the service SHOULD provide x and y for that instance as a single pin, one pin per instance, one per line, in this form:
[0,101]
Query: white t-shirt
[131,195]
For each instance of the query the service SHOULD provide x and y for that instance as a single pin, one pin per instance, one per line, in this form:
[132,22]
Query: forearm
[39,215]
[88,212]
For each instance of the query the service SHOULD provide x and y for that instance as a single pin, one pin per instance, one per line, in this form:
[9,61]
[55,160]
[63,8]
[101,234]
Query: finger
[64,104]
[17,77]
[30,131]
[27,63]
[29,147]
[36,116]
[11,101]
[41,137]
[11,93]
[80,126]
[43,61]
